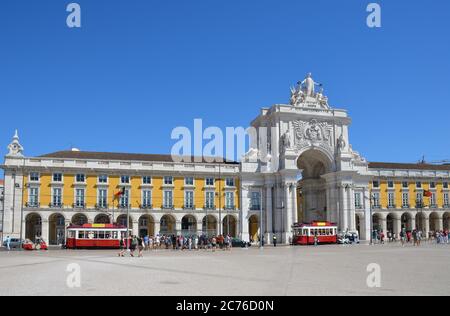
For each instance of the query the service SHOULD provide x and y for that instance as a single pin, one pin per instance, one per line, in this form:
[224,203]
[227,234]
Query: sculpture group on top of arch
[304,94]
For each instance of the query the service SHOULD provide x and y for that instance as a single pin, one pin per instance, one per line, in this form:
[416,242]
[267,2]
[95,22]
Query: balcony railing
[32,204]
[189,207]
[230,208]
[209,207]
[405,206]
[255,208]
[392,206]
[146,206]
[123,206]
[168,207]
[79,205]
[56,205]
[102,206]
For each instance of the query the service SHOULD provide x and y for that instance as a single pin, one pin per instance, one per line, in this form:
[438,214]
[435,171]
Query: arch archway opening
[33,227]
[421,224]
[406,220]
[57,229]
[146,226]
[122,221]
[358,223]
[229,226]
[435,224]
[313,164]
[209,226]
[189,225]
[168,225]
[377,220]
[446,221]
[103,219]
[79,219]
[253,228]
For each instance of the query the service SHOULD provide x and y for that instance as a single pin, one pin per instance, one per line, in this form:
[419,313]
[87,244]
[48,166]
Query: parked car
[40,244]
[14,243]
[236,243]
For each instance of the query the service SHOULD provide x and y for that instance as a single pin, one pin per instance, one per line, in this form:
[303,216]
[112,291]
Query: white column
[269,214]
[367,223]
[178,227]
[427,226]
[200,227]
[384,224]
[295,205]
[343,209]
[397,226]
[157,227]
[439,223]
[287,213]
[135,230]
[413,224]
[45,230]
[243,220]
[351,210]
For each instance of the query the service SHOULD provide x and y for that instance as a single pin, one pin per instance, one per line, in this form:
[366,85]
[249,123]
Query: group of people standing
[416,237]
[175,242]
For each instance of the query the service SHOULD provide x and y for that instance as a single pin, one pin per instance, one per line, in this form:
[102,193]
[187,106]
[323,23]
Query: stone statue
[297,96]
[309,85]
[341,143]
[286,140]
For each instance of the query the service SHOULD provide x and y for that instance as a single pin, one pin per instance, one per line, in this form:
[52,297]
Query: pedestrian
[8,243]
[403,237]
[133,246]
[140,246]
[190,243]
[214,243]
[122,247]
[146,242]
[274,240]
[195,242]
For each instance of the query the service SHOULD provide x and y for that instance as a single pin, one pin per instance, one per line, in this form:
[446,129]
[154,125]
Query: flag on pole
[427,193]
[119,194]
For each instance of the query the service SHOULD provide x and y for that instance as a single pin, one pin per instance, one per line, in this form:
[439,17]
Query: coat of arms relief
[313,133]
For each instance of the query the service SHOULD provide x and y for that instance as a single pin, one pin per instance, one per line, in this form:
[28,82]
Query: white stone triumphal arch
[307,169]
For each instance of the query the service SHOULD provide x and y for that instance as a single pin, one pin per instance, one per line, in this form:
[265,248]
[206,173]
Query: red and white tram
[105,236]
[305,234]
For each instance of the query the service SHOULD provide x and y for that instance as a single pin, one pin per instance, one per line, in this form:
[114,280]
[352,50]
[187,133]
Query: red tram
[325,232]
[104,236]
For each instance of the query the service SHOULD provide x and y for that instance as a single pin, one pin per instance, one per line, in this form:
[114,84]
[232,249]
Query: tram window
[101,235]
[115,235]
[81,235]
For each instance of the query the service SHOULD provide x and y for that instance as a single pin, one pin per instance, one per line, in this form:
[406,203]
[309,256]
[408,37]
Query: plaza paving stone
[323,270]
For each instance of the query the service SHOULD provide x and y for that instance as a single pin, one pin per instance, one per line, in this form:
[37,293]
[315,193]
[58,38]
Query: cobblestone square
[284,271]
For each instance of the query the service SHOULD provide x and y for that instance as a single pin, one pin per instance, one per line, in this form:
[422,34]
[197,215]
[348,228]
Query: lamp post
[261,233]
[21,218]
[2,200]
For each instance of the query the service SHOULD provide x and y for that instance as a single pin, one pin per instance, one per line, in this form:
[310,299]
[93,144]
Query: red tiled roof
[408,166]
[115,156]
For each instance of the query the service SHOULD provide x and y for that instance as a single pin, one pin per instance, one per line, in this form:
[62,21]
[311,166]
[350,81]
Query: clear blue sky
[137,69]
